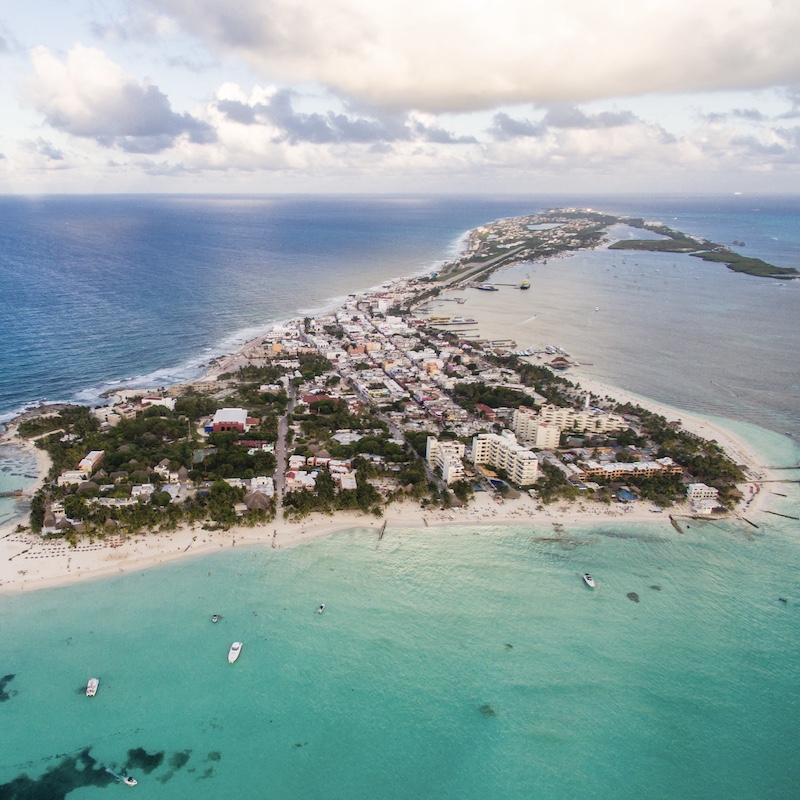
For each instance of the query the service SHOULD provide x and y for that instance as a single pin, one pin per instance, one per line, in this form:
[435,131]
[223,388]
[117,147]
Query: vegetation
[749,266]
[553,485]
[326,499]
[677,242]
[467,395]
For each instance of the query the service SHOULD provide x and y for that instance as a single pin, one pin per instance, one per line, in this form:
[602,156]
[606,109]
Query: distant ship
[487,287]
[526,284]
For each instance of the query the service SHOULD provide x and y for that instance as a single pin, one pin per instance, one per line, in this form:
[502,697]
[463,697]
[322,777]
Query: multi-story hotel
[504,452]
[447,456]
[533,431]
[591,420]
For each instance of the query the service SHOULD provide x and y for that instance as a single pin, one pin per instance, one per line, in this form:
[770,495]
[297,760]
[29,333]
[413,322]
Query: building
[263,484]
[231,419]
[699,491]
[155,400]
[591,420]
[71,477]
[90,461]
[702,499]
[300,481]
[635,469]
[448,457]
[504,452]
[531,430]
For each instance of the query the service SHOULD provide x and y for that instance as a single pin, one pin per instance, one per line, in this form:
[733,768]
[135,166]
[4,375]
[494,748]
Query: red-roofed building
[485,411]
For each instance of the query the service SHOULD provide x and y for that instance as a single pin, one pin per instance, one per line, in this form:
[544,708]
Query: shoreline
[28,563]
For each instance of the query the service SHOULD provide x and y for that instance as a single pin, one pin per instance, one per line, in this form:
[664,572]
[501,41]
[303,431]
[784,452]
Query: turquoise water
[18,470]
[449,663]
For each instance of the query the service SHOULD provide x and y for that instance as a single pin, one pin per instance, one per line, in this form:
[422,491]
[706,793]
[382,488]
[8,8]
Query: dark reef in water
[633,596]
[488,711]
[4,681]
[139,758]
[74,772]
[179,760]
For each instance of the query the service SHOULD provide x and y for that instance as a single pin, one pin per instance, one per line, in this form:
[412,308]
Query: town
[369,404]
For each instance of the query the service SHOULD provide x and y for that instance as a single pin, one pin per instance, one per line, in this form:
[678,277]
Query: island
[377,412]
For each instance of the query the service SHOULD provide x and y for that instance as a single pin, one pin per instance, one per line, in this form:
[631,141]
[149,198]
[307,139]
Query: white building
[448,457]
[263,484]
[591,420]
[346,481]
[504,452]
[155,400]
[699,491]
[72,476]
[703,499]
[533,431]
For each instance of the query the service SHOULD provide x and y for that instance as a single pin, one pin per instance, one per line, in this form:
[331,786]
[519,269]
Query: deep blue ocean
[145,289]
[453,663]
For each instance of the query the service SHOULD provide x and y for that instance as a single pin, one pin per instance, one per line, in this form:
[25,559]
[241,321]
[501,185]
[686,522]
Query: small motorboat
[321,608]
[91,687]
[233,653]
[215,617]
[128,781]
[588,580]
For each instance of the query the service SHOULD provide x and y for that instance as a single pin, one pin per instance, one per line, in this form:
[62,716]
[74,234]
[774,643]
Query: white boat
[91,687]
[321,608]
[588,580]
[233,653]
[130,781]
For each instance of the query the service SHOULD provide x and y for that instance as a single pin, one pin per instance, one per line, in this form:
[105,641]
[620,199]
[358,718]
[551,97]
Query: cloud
[560,116]
[9,44]
[565,115]
[136,24]
[452,55]
[90,96]
[43,148]
[505,127]
[747,114]
[332,127]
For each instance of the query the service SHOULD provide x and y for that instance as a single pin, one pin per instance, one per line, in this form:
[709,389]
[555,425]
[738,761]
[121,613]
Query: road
[281,456]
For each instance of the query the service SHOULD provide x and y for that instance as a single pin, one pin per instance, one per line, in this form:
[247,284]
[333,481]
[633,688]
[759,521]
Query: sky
[439,96]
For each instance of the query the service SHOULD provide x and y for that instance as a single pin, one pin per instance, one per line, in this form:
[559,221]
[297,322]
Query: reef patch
[4,681]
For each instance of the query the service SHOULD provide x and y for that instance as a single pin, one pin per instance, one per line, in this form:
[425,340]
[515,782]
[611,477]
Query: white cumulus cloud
[458,55]
[88,95]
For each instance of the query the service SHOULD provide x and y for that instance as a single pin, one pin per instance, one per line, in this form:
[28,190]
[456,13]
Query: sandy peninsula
[28,562]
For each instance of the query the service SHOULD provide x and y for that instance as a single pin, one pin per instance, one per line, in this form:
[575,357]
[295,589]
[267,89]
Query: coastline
[28,563]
